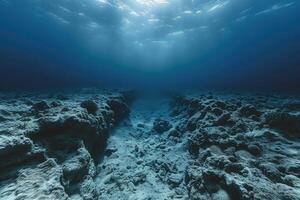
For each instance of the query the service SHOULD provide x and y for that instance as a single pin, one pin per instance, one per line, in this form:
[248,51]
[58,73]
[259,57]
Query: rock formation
[85,145]
[50,145]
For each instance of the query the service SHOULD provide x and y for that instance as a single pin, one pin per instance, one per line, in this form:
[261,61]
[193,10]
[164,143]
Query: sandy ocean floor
[95,144]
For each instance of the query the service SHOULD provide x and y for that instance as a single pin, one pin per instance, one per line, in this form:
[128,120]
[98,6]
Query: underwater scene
[149,99]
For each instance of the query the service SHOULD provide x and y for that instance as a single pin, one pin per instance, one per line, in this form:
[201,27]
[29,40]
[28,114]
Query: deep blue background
[259,54]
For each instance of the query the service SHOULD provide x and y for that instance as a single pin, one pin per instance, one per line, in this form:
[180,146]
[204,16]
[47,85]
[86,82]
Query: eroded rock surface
[51,144]
[244,150]
[195,146]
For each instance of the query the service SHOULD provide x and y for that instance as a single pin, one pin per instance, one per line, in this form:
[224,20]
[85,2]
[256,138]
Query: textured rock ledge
[241,146]
[49,143]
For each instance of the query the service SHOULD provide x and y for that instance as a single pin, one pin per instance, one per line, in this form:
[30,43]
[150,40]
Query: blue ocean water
[208,44]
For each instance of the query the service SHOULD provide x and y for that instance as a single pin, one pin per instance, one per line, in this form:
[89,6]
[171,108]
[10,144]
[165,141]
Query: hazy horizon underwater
[149,100]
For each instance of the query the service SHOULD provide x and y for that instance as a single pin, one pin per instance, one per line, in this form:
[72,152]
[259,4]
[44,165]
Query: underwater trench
[132,153]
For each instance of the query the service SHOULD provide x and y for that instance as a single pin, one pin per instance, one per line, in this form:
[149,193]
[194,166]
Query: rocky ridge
[192,146]
[241,146]
[50,144]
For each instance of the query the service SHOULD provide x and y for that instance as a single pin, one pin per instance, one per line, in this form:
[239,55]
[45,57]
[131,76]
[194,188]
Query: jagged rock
[217,111]
[237,189]
[291,180]
[217,162]
[234,167]
[75,168]
[254,149]
[294,169]
[55,104]
[249,110]
[175,179]
[87,189]
[223,119]
[293,105]
[161,125]
[240,158]
[283,121]
[174,133]
[40,106]
[220,104]
[90,106]
[196,141]
[110,151]
[40,182]
[270,171]
[92,129]
[139,178]
[287,192]
[204,155]
[239,127]
[241,139]
[14,150]
[13,145]
[72,138]
[193,106]
[119,108]
[192,123]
